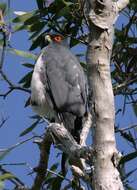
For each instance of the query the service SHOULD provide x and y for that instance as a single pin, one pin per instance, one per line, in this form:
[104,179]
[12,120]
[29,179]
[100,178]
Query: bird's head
[54,38]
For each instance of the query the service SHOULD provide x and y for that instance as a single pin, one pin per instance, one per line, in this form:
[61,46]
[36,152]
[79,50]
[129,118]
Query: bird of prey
[59,86]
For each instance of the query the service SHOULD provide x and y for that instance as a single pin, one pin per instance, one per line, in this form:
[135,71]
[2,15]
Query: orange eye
[57,38]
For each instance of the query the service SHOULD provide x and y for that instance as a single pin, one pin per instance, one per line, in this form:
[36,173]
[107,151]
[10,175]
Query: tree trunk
[101,17]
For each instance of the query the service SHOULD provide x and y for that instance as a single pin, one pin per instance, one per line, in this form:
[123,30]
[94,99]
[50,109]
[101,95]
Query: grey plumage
[59,85]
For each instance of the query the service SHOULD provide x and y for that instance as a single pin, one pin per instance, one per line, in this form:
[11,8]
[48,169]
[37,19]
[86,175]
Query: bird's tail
[74,125]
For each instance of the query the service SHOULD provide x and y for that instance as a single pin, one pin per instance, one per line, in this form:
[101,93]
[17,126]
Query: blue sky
[18,116]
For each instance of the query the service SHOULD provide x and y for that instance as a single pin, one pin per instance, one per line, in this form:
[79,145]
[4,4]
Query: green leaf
[28,65]
[6,176]
[19,27]
[128,136]
[29,129]
[23,53]
[32,20]
[37,26]
[128,157]
[56,183]
[40,4]
[65,12]
[84,65]
[19,13]
[22,18]
[135,108]
[54,166]
[5,152]
[3,7]
[73,42]
[27,103]
[26,80]
[49,174]
[36,43]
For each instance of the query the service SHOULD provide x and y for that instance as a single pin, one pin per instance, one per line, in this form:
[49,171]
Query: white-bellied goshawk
[59,86]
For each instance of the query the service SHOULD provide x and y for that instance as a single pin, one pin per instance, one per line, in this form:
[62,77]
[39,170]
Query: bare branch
[11,85]
[56,174]
[64,141]
[125,84]
[85,130]
[41,170]
[3,120]
[126,128]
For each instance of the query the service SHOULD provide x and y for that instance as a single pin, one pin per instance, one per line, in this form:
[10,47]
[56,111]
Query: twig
[5,77]
[123,85]
[3,50]
[85,129]
[56,174]
[11,86]
[6,33]
[41,170]
[3,121]
[125,129]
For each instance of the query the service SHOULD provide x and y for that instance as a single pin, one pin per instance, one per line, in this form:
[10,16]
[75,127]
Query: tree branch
[123,85]
[11,85]
[41,170]
[63,140]
[102,15]
[125,129]
[85,130]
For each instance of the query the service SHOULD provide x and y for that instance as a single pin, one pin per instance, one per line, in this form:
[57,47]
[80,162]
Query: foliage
[67,18]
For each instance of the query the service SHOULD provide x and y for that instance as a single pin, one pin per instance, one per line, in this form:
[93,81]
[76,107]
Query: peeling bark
[102,16]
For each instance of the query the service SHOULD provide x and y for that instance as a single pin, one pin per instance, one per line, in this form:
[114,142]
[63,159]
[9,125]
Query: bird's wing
[66,80]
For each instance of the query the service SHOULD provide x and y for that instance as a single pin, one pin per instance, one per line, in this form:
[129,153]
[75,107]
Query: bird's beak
[47,39]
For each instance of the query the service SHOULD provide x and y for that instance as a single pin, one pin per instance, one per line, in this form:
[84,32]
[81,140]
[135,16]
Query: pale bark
[102,16]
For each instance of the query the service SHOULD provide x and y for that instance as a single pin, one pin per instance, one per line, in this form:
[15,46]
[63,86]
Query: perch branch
[64,141]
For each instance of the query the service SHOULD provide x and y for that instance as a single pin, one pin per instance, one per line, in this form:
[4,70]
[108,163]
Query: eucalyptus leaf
[29,129]
[23,17]
[23,53]
[6,176]
[135,108]
[128,157]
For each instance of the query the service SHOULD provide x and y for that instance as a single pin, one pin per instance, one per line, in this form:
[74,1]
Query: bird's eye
[57,38]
